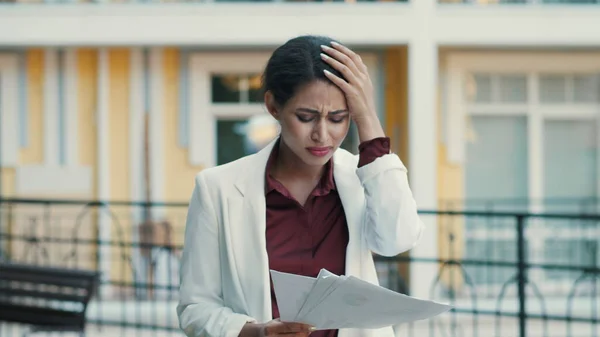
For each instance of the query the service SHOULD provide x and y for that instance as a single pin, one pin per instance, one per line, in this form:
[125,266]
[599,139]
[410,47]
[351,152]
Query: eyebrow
[317,112]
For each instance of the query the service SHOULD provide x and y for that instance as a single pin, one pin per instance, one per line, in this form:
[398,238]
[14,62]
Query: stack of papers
[338,302]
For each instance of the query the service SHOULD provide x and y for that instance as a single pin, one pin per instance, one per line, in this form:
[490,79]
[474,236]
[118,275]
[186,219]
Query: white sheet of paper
[291,292]
[324,284]
[349,302]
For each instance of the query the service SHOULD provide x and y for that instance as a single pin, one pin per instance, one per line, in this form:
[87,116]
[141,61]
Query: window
[570,161]
[502,88]
[246,132]
[572,88]
[500,129]
[242,124]
[529,142]
[228,119]
[496,162]
[493,250]
[502,123]
[571,252]
[236,88]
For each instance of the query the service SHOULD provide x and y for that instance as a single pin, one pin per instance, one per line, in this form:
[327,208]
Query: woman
[298,205]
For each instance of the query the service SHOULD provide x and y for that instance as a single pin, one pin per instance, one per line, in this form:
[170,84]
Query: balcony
[488,265]
[227,23]
[268,23]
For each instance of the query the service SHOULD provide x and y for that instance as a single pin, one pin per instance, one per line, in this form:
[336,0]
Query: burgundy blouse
[304,239]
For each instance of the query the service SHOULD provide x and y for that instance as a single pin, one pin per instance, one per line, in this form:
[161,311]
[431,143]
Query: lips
[319,151]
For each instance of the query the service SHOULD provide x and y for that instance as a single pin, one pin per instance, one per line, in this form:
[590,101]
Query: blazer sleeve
[391,223]
[201,310]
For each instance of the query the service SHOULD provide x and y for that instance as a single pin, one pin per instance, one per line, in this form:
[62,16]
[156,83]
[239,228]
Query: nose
[319,132]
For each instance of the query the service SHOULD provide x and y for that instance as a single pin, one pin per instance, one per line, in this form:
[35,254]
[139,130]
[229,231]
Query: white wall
[249,24]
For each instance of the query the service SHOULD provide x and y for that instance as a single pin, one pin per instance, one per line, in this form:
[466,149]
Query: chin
[316,161]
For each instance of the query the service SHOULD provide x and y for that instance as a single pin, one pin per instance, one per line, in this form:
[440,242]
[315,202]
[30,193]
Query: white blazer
[224,268]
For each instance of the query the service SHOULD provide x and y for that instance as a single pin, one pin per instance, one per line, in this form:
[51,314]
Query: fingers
[296,334]
[277,327]
[354,56]
[356,59]
[342,63]
[349,64]
[296,327]
[345,86]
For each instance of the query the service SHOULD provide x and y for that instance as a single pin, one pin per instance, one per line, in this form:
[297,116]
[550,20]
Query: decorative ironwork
[513,296]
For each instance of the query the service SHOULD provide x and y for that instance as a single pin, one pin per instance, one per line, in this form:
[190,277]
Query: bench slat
[11,292]
[48,275]
[41,316]
[47,278]
[23,289]
[28,268]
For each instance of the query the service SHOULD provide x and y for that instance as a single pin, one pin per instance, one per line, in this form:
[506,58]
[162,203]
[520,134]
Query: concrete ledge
[53,180]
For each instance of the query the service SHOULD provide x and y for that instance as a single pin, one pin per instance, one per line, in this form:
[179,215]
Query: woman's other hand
[276,328]
[290,329]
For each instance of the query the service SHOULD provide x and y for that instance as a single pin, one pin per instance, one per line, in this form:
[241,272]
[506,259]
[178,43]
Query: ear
[271,105]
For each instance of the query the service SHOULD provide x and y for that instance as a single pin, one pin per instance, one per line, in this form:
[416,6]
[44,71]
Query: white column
[103,175]
[71,107]
[137,80]
[9,108]
[202,128]
[157,161]
[535,139]
[423,142]
[51,104]
[136,124]
[157,157]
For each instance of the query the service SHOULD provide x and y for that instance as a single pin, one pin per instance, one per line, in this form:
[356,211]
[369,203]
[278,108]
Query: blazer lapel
[247,223]
[352,197]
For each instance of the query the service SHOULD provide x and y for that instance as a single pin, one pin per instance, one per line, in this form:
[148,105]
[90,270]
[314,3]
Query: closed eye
[338,119]
[305,119]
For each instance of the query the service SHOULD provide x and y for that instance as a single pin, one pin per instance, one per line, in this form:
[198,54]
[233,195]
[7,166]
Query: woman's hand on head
[357,88]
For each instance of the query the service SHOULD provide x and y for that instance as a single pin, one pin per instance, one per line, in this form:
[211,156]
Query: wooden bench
[46,298]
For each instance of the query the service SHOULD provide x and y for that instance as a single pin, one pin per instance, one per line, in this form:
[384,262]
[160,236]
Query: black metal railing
[505,273]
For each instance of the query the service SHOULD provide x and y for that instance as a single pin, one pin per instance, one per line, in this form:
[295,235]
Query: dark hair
[294,64]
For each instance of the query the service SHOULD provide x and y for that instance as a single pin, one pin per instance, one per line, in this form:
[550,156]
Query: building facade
[493,105]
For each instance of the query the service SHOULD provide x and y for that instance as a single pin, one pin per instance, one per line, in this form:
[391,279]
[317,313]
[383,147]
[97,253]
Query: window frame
[460,66]
[204,113]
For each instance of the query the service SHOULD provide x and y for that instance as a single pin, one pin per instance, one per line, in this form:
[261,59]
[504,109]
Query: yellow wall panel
[396,100]
[118,121]
[396,113]
[87,91]
[33,154]
[119,124]
[8,182]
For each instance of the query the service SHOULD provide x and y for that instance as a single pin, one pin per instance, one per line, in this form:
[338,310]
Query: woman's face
[314,122]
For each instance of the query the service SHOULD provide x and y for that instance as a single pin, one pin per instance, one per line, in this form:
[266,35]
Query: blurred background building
[493,106]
